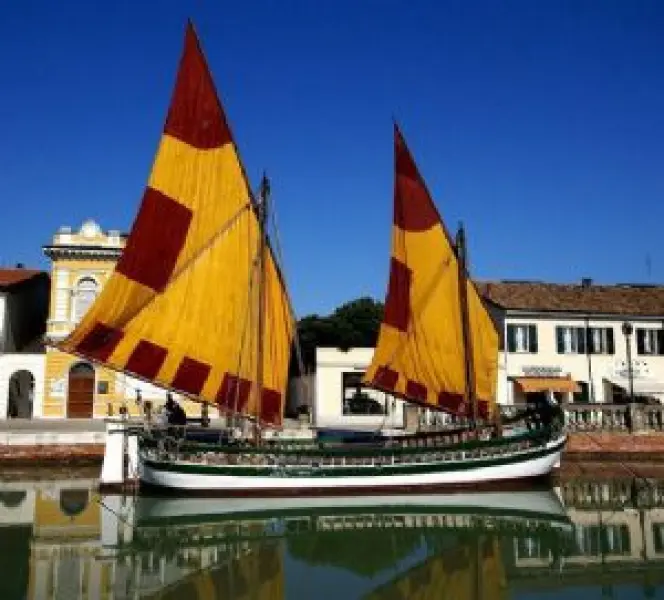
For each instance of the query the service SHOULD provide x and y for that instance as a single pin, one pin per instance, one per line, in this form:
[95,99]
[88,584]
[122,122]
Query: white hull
[529,503]
[523,465]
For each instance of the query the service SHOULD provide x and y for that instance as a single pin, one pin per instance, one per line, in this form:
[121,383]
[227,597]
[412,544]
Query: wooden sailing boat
[197,304]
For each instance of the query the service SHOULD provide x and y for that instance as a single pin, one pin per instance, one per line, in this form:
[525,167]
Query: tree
[352,325]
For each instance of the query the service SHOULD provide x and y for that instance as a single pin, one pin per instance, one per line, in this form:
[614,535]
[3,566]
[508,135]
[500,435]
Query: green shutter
[511,339]
[532,339]
[560,341]
[609,341]
[581,340]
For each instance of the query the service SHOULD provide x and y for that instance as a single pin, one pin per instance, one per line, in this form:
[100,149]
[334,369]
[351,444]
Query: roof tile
[635,300]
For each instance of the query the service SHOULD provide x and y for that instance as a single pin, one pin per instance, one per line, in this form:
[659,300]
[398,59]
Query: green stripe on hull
[368,471]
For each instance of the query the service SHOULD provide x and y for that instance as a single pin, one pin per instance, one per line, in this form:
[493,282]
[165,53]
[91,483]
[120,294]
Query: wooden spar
[470,396]
[262,250]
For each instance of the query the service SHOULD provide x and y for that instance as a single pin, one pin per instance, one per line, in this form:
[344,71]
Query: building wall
[595,369]
[331,364]
[598,370]
[26,310]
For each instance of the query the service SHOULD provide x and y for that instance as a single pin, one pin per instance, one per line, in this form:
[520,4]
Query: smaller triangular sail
[180,308]
[420,351]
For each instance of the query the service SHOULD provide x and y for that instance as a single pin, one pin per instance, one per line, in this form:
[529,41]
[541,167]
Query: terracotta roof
[11,277]
[628,299]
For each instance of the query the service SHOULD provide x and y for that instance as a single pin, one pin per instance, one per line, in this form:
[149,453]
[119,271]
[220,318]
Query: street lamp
[627,330]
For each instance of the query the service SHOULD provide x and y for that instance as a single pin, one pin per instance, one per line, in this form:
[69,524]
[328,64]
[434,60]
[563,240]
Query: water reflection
[60,539]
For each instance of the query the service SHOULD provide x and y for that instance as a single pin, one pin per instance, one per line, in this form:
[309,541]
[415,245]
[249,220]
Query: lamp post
[627,330]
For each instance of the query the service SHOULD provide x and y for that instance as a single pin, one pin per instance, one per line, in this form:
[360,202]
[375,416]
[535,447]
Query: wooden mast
[470,396]
[262,251]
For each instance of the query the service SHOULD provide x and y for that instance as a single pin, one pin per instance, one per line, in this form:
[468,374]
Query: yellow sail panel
[420,350]
[175,309]
[485,346]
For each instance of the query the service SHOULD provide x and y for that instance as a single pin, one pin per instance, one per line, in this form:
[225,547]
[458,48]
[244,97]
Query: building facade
[23,309]
[81,263]
[582,343]
[578,343]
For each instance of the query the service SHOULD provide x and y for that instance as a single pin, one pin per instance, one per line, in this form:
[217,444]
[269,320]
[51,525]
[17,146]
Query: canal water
[586,538]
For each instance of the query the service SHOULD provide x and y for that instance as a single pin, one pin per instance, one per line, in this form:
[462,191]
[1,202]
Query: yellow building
[81,263]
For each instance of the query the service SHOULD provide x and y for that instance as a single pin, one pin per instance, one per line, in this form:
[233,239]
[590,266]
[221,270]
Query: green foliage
[354,324]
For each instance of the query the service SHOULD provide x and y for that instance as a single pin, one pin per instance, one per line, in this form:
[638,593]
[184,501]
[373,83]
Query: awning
[544,384]
[643,387]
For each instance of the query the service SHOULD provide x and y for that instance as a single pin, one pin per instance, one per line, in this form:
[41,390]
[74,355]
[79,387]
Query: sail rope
[245,332]
[296,336]
[193,259]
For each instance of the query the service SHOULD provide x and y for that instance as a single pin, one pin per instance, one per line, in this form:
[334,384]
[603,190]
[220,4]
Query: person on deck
[175,413]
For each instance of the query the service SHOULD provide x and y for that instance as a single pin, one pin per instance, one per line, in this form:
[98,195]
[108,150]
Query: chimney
[586,282]
[20,266]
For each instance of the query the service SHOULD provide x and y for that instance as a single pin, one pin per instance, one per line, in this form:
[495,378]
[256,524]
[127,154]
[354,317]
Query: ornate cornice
[89,252]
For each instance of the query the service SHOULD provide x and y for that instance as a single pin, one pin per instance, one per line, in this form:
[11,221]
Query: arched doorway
[81,391]
[21,394]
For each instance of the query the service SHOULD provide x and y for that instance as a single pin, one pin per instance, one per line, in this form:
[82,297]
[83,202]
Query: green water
[588,538]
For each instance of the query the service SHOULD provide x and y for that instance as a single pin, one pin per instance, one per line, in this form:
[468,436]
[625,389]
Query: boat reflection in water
[374,547]
[60,539]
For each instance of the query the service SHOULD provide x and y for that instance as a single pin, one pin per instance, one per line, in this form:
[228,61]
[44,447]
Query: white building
[565,340]
[23,309]
[556,334]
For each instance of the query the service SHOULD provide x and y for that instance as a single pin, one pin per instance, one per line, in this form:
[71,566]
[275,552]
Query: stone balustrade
[628,418]
[633,418]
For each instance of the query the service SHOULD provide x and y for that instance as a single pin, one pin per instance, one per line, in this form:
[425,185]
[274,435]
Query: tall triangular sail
[177,310]
[420,351]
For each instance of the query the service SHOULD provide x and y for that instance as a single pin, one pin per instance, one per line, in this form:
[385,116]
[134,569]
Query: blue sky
[540,124]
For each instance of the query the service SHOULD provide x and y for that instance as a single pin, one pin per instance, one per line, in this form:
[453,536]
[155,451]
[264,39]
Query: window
[522,338]
[600,340]
[571,340]
[84,295]
[650,341]
[358,400]
[102,387]
[658,536]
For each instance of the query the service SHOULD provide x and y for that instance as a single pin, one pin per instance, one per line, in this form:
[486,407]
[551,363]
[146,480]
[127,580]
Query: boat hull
[493,472]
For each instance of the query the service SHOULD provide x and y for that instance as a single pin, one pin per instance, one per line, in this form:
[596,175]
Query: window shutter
[589,340]
[640,341]
[532,339]
[660,341]
[581,340]
[511,339]
[609,341]
[560,341]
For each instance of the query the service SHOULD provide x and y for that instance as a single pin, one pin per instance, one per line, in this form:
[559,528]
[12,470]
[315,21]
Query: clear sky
[539,123]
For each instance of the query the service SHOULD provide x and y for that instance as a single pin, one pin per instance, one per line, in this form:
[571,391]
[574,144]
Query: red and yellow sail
[420,351]
[177,310]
